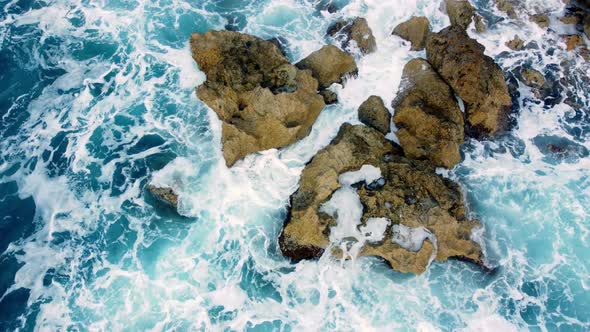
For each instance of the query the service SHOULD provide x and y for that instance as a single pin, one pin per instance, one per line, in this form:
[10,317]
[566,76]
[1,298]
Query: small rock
[515,44]
[429,121]
[164,195]
[356,30]
[374,114]
[330,97]
[329,65]
[415,30]
[572,42]
[532,78]
[507,7]
[542,21]
[480,24]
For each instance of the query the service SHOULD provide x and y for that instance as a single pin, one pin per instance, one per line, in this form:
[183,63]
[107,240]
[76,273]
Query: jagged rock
[474,76]
[480,23]
[515,44]
[574,41]
[164,195]
[374,114]
[460,12]
[356,30]
[411,194]
[508,7]
[415,30]
[330,97]
[541,20]
[263,101]
[429,119]
[532,78]
[329,65]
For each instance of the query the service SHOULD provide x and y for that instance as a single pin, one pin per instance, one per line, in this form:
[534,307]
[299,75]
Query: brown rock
[415,30]
[356,30]
[412,195]
[263,101]
[330,97]
[515,44]
[374,114]
[474,76]
[461,12]
[329,65]
[542,21]
[532,78]
[429,120]
[572,42]
[480,24]
[164,195]
[508,7]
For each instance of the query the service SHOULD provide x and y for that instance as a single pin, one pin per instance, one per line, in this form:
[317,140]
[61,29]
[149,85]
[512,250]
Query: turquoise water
[97,98]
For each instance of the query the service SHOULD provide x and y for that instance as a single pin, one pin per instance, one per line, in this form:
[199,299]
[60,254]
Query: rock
[587,25]
[480,24]
[542,21]
[508,7]
[460,12]
[262,100]
[164,195]
[356,30]
[429,121]
[572,42]
[374,114]
[415,30]
[410,195]
[532,78]
[560,149]
[474,76]
[329,65]
[330,97]
[515,44]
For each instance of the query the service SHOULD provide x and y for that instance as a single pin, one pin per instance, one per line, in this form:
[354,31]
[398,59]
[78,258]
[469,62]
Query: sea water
[97,99]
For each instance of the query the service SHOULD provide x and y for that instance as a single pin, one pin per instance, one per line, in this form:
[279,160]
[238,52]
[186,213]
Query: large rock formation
[414,30]
[410,199]
[263,101]
[474,76]
[329,65]
[428,117]
[373,113]
[356,30]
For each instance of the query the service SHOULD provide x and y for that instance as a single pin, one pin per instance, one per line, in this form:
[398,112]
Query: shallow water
[96,98]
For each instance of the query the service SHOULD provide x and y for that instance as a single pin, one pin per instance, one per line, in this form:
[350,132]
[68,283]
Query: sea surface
[97,98]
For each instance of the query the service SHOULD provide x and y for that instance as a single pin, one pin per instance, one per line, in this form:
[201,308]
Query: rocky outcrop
[508,7]
[474,76]
[409,196]
[374,114]
[429,121]
[164,195]
[262,100]
[516,44]
[356,30]
[329,65]
[462,13]
[415,30]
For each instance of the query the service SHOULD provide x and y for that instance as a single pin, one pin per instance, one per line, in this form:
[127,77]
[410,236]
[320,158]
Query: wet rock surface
[475,77]
[410,195]
[164,195]
[415,30]
[374,114]
[262,100]
[356,30]
[329,65]
[460,12]
[429,121]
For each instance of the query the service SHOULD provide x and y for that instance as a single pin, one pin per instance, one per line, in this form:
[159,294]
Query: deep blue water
[97,98]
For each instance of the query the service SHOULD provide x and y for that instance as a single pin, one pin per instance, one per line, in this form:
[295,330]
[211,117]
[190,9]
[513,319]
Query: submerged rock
[516,44]
[410,195]
[356,30]
[560,149]
[329,65]
[415,30]
[474,76]
[263,101]
[164,195]
[374,114]
[429,121]
[330,97]
[532,78]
